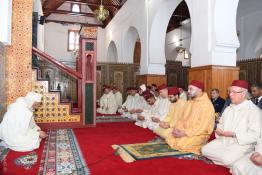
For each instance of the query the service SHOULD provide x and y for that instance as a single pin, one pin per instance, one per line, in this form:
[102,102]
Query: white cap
[143,87]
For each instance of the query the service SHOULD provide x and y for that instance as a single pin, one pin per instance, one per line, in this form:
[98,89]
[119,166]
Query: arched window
[75,8]
[73,40]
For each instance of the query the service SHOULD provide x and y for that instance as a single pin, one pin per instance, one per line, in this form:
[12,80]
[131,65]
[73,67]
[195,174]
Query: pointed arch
[112,55]
[158,30]
[130,40]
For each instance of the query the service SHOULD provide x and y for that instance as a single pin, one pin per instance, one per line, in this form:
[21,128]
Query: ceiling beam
[51,5]
[70,22]
[94,4]
[71,13]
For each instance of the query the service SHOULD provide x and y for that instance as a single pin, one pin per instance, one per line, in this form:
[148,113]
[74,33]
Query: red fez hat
[173,91]
[198,84]
[148,95]
[161,87]
[114,88]
[105,87]
[240,83]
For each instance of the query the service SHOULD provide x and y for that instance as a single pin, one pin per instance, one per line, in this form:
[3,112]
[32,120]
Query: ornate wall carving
[116,74]
[19,54]
[251,70]
[177,75]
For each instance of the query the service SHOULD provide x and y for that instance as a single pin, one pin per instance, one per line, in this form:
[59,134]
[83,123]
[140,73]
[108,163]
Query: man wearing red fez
[237,132]
[174,114]
[173,94]
[158,110]
[162,105]
[107,103]
[192,131]
[143,118]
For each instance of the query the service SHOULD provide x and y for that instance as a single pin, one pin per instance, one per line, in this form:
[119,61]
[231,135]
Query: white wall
[37,7]
[5,21]
[213,40]
[132,14]
[249,25]
[100,44]
[213,25]
[56,36]
[112,52]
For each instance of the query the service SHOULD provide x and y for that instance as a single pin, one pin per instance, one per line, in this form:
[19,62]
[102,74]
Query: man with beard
[193,129]
[175,113]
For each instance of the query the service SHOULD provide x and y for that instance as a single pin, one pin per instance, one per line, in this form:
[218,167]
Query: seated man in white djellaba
[118,96]
[238,129]
[158,110]
[18,130]
[250,164]
[107,103]
[130,103]
[140,104]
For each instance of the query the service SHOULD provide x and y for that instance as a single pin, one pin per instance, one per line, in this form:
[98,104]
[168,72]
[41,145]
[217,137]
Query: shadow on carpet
[62,155]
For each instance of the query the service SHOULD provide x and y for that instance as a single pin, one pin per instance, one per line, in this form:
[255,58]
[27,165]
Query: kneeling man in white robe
[238,130]
[18,130]
[250,164]
[107,102]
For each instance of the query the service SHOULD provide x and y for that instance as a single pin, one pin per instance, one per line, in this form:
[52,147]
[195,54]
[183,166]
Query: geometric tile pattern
[89,32]
[19,53]
[51,110]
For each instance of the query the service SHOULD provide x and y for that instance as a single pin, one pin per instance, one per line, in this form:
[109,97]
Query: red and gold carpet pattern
[95,144]
[61,154]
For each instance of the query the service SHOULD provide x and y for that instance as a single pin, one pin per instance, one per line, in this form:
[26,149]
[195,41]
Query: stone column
[2,80]
[213,43]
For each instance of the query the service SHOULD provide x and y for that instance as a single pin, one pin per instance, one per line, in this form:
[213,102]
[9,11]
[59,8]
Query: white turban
[31,98]
[143,87]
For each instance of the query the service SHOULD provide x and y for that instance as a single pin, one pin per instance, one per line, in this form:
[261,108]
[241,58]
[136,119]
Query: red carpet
[8,166]
[96,144]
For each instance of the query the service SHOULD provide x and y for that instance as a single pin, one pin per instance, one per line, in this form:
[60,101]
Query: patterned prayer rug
[3,153]
[27,161]
[140,151]
[62,155]
[155,148]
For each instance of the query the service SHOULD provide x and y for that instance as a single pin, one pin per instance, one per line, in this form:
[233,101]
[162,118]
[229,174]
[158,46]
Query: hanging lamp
[101,13]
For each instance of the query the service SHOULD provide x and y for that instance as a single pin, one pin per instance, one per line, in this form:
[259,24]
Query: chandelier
[101,13]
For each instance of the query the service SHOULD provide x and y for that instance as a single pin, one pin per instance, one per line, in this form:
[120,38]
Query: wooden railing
[57,64]
[71,72]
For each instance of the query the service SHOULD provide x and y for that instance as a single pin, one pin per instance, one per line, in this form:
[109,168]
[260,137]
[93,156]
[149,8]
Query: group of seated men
[110,101]
[186,125]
